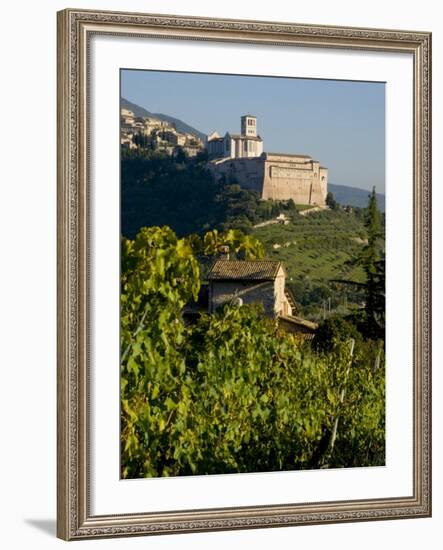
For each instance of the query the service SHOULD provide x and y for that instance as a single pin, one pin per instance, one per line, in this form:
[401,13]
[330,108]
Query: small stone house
[256,281]
[253,281]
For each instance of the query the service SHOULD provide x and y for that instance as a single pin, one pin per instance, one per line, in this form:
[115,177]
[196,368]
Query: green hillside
[316,250]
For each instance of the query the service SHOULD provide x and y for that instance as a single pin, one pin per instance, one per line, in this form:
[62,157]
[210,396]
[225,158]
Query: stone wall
[269,293]
[277,177]
[247,172]
[282,305]
[251,292]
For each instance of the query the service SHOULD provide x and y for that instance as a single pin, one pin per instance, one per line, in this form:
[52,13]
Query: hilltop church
[276,176]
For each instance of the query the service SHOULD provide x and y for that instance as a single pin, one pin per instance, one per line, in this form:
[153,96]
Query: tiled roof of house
[246,270]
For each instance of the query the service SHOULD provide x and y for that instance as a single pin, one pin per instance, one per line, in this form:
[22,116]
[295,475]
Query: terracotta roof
[246,270]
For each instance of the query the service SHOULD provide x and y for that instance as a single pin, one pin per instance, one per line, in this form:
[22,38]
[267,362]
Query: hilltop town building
[245,145]
[276,176]
[159,135]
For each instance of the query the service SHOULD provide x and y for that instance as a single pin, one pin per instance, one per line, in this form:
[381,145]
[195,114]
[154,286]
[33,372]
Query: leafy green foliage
[160,190]
[159,276]
[214,243]
[374,266]
[333,331]
[331,202]
[242,208]
[180,192]
[317,249]
[371,319]
[361,429]
[231,393]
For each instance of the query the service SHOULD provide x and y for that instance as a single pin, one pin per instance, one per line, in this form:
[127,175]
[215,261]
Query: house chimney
[224,252]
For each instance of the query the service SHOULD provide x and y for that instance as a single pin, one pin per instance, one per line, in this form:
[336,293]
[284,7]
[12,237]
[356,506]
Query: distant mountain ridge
[353,196]
[179,124]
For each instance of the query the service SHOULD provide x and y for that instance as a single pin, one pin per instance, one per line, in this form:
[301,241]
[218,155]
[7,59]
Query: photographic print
[252,274]
[226,332]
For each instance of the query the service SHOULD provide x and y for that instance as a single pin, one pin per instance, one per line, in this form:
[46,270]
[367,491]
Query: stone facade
[262,292]
[242,282]
[248,144]
[249,282]
[276,176]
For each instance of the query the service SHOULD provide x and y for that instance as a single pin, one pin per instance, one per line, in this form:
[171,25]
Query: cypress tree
[374,266]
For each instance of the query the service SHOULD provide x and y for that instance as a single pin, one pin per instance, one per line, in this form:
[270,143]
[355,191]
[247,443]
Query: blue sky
[339,123]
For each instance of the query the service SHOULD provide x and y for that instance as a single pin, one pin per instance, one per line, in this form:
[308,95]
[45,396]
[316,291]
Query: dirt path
[313,209]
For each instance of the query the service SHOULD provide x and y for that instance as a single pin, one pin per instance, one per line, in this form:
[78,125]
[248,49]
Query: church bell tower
[249,126]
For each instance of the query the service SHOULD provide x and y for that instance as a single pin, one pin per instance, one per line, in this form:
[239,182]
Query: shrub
[332,331]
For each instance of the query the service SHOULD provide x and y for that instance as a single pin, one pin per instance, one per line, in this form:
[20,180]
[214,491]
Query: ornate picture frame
[75,518]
